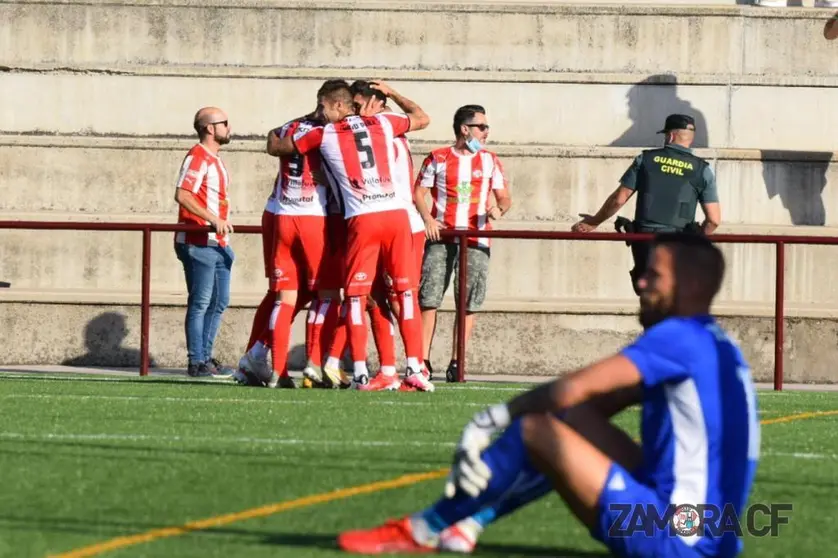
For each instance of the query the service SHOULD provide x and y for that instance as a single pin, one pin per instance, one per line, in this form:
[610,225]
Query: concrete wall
[724,40]
[99,178]
[558,112]
[503,343]
[518,60]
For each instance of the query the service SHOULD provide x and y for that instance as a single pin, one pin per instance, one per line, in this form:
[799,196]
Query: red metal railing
[462,235]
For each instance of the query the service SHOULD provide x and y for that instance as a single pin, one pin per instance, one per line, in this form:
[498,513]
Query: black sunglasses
[481,127]
[219,122]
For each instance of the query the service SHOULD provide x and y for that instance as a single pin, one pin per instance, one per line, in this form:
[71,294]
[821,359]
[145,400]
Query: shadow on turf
[488,549]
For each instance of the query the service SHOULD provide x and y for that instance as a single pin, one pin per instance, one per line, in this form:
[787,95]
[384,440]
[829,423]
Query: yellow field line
[307,501]
[270,509]
[800,416]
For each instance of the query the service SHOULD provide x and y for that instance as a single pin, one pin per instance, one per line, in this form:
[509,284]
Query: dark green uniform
[670,183]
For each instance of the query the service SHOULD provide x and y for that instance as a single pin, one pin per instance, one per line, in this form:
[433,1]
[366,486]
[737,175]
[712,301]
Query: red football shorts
[268,242]
[418,240]
[300,242]
[332,268]
[385,234]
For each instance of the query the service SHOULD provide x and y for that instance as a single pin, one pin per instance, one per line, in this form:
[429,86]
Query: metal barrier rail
[462,235]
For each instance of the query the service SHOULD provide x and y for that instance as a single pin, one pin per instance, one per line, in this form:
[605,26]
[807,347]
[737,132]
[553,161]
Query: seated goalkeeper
[699,432]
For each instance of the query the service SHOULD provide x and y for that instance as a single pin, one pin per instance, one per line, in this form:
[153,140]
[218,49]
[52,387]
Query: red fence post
[461,309]
[145,302]
[779,315]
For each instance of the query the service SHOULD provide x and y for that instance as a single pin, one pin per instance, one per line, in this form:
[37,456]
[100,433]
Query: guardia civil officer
[670,181]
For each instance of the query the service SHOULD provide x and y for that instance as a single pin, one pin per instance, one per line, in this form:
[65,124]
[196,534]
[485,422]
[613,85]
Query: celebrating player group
[341,217]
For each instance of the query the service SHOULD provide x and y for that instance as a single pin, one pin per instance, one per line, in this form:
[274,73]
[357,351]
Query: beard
[651,314]
[223,140]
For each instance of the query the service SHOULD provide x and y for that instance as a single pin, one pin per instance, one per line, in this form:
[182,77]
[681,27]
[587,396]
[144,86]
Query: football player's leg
[398,263]
[592,421]
[287,275]
[332,335]
[313,247]
[363,247]
[263,312]
[381,322]
[575,467]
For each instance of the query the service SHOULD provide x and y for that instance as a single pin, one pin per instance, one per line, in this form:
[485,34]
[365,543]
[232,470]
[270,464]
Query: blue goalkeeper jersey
[699,428]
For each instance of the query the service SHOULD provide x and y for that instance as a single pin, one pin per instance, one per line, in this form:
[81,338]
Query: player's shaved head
[206,116]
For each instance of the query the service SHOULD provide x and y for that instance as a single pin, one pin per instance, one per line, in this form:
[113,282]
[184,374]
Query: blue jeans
[207,270]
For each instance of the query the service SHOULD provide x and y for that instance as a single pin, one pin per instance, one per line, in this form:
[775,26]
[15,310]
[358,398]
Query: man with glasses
[462,179]
[207,258]
[670,181]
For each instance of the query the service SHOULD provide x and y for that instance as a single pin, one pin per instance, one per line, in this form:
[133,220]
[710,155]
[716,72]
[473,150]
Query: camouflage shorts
[440,262]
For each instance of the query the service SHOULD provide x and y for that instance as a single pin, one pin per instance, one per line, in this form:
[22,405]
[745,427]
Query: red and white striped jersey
[360,154]
[296,191]
[460,186]
[404,186]
[203,174]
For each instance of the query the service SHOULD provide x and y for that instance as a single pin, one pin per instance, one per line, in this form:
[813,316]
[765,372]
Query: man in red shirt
[360,154]
[207,258]
[462,180]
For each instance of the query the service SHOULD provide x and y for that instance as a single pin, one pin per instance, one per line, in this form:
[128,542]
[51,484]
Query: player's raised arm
[280,147]
[419,119]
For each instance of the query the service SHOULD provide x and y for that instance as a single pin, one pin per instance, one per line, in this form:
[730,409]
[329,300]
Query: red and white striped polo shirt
[460,185]
[203,174]
[360,154]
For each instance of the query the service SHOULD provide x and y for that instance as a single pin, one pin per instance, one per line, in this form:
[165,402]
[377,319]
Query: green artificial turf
[87,459]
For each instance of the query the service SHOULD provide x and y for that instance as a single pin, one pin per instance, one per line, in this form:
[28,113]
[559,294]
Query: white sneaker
[418,380]
[252,372]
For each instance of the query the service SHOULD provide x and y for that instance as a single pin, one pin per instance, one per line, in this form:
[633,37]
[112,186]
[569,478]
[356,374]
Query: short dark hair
[366,90]
[334,90]
[695,257]
[464,114]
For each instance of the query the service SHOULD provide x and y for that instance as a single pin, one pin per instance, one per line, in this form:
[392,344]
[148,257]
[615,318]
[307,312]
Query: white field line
[223,440]
[297,441]
[154,399]
[371,401]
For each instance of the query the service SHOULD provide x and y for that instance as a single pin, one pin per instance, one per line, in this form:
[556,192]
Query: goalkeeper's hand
[469,473]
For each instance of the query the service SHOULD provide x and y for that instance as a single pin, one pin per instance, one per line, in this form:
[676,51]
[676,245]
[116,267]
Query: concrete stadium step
[560,111]
[537,269]
[502,343]
[421,35]
[127,178]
